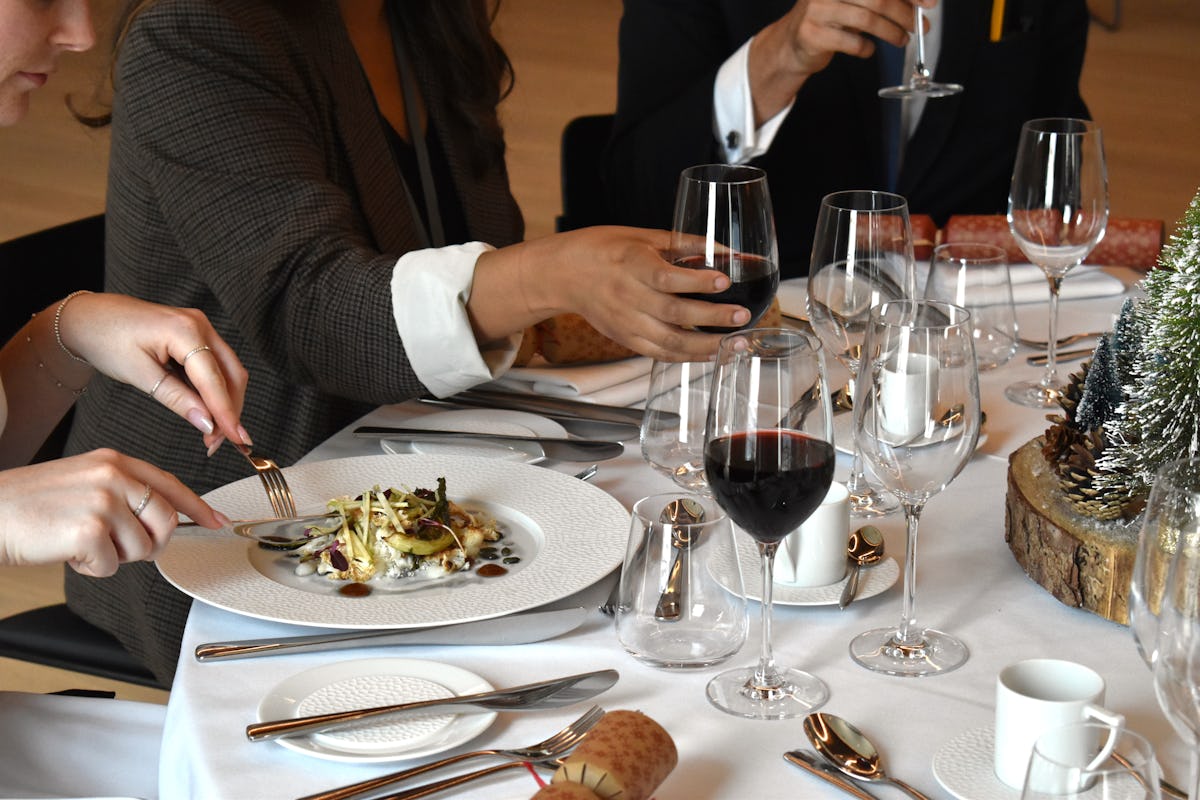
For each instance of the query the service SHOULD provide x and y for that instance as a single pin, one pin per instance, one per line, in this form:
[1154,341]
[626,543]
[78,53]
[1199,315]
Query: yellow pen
[997,20]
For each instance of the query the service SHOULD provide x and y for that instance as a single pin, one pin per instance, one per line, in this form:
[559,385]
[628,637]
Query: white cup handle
[1115,723]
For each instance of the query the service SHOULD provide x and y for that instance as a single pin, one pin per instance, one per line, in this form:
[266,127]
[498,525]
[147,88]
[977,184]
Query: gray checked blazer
[250,177]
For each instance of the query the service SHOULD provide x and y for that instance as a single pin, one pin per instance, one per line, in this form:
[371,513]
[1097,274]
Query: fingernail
[721,283]
[201,420]
[245,436]
[221,518]
[741,317]
[215,446]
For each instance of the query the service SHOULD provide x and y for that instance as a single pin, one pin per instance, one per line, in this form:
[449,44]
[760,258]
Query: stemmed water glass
[920,80]
[1057,212]
[917,422]
[1164,599]
[724,221]
[769,457]
[862,256]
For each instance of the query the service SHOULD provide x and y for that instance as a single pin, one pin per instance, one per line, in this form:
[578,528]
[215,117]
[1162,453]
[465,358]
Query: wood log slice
[1083,562]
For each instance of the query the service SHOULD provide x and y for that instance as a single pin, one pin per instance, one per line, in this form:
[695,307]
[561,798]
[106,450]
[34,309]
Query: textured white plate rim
[480,420]
[874,580]
[583,531]
[282,701]
[963,767]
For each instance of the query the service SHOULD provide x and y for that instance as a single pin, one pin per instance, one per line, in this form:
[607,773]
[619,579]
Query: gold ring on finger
[193,352]
[137,512]
[159,383]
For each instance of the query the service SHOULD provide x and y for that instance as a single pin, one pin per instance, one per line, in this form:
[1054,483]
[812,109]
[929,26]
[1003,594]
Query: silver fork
[278,491]
[458,780]
[546,750]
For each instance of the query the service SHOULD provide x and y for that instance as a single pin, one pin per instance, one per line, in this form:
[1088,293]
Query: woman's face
[33,33]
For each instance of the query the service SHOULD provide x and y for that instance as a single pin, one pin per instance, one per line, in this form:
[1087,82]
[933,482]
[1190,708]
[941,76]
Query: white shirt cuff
[733,111]
[430,289]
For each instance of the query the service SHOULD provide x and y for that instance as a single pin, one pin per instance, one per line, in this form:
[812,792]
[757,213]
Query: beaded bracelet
[58,320]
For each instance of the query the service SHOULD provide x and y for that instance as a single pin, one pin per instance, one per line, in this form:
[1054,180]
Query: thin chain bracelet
[42,366]
[58,320]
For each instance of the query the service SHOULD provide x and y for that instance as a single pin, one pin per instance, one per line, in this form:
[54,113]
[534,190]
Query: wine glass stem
[908,633]
[919,67]
[765,676]
[1194,778]
[1050,378]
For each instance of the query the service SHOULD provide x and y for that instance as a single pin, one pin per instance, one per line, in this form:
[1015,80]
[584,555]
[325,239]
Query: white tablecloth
[968,584]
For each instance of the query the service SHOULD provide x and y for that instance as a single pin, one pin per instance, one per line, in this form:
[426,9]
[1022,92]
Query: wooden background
[1142,83]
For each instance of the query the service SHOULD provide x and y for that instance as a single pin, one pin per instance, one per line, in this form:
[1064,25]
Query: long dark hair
[455,35]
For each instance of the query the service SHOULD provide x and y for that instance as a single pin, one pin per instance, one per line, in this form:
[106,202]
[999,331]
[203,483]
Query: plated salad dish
[399,534]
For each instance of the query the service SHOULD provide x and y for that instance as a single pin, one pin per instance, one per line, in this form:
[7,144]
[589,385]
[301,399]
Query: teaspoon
[864,548]
[845,747]
[678,513]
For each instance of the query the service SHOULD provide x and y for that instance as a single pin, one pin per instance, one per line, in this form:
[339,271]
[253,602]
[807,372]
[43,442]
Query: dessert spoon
[848,749]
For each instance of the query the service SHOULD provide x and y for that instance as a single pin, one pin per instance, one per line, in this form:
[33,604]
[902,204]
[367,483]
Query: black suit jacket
[960,157]
[250,177]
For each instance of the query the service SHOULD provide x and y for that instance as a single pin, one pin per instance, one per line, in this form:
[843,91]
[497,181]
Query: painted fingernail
[215,446]
[245,436]
[201,420]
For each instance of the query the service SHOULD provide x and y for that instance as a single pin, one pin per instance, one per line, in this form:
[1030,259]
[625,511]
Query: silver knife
[533,696]
[555,448]
[534,626]
[542,404]
[580,426]
[809,762]
[1040,359]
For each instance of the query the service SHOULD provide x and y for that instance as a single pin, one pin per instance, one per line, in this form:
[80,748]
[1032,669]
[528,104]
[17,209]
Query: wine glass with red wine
[769,459]
[862,256]
[917,423]
[723,221]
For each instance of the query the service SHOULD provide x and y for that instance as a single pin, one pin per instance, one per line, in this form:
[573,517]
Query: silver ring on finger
[193,352]
[159,383]
[141,506]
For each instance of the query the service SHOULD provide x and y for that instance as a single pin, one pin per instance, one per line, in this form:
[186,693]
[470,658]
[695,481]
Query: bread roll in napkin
[625,757]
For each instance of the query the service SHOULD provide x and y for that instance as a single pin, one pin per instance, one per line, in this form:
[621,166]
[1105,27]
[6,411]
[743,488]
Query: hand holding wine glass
[724,221]
[862,256]
[1057,212]
[769,458]
[917,422]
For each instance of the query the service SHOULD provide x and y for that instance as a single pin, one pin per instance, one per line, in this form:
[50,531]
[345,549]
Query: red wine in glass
[769,481]
[753,281]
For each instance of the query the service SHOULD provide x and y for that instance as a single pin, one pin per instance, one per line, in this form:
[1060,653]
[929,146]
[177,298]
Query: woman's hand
[803,42]
[617,278]
[93,511]
[173,354]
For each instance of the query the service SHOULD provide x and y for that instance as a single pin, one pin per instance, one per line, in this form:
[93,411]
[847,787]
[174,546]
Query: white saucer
[480,420]
[873,580]
[963,766]
[369,682]
[843,433]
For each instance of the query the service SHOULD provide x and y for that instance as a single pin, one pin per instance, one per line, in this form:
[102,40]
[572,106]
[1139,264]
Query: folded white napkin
[78,747]
[615,383]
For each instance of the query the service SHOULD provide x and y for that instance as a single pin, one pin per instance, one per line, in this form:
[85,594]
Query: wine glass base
[867,502]
[925,88]
[880,650]
[737,692]
[1033,395]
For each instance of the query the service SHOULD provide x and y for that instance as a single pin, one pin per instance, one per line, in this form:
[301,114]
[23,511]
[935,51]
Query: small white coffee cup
[815,553]
[1040,694]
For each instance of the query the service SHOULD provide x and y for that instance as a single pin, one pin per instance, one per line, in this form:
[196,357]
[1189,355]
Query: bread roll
[531,343]
[570,339]
[625,757]
[565,791]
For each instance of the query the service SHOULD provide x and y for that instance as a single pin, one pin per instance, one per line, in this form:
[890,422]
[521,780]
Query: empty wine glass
[769,457]
[917,417]
[1057,212]
[920,80]
[724,221]
[862,256]
[975,276]
[1164,603]
[672,433]
[1092,760]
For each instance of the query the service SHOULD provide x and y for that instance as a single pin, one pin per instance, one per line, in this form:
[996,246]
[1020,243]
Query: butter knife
[534,626]
[543,404]
[557,449]
[580,426]
[808,761]
[533,696]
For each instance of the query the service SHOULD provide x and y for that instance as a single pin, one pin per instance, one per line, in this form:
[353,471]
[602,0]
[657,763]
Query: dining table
[968,582]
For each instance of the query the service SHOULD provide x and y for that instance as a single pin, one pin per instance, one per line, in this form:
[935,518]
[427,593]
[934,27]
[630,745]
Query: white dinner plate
[370,682]
[480,420]
[963,766]
[873,580]
[567,534]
